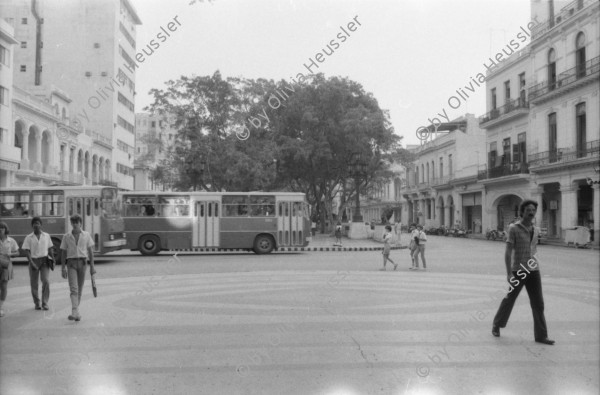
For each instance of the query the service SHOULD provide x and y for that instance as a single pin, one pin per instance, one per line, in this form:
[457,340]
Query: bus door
[290,226]
[92,216]
[86,208]
[206,224]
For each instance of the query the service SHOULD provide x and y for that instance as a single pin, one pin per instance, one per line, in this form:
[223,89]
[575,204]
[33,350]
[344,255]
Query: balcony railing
[566,13]
[441,180]
[565,155]
[503,171]
[510,106]
[106,182]
[567,78]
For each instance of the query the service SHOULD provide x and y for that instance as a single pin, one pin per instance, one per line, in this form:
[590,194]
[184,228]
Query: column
[537,193]
[447,216]
[25,149]
[596,209]
[37,166]
[95,171]
[51,167]
[62,153]
[568,208]
[88,172]
[71,163]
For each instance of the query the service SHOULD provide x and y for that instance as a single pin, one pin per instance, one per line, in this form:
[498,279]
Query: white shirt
[79,249]
[38,248]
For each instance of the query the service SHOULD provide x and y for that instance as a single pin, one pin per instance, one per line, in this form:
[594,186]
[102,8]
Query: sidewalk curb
[286,249]
[332,249]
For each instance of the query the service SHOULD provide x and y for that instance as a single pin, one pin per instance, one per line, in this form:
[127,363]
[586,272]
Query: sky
[412,55]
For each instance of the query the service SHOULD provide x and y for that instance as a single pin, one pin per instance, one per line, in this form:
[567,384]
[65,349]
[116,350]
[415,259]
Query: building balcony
[504,171]
[567,13]
[573,78]
[106,182]
[71,177]
[442,181]
[511,110]
[97,138]
[565,156]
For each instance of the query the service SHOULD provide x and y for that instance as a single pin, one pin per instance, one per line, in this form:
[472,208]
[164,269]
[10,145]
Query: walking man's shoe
[37,307]
[496,331]
[45,307]
[545,341]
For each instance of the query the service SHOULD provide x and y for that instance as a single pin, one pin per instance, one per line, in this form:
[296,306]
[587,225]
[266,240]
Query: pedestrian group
[76,249]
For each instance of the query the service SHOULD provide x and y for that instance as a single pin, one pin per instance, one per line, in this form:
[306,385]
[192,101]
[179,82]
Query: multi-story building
[506,178]
[154,136]
[9,156]
[442,186]
[385,195]
[86,48]
[543,142]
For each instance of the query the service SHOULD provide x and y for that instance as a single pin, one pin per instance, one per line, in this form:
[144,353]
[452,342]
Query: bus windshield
[111,203]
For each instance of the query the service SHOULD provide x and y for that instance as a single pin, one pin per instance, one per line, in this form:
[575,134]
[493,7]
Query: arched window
[580,55]
[551,69]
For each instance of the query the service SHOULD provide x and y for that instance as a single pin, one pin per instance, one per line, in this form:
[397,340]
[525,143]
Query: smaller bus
[99,207]
[258,221]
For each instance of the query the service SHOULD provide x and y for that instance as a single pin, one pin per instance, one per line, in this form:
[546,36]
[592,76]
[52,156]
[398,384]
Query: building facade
[543,140]
[9,157]
[154,138]
[442,187]
[86,49]
[384,196]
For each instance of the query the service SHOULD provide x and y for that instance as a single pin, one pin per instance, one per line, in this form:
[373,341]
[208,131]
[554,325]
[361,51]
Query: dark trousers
[533,284]
[42,272]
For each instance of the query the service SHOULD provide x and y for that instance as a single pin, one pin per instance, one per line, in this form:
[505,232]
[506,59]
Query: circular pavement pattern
[300,332]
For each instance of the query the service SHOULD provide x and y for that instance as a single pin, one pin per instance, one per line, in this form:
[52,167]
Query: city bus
[99,207]
[198,221]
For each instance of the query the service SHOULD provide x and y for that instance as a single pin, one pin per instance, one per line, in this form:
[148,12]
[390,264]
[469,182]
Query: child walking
[338,234]
[387,246]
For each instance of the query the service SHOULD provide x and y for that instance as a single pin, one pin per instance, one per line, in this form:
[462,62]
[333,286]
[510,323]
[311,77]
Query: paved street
[306,323]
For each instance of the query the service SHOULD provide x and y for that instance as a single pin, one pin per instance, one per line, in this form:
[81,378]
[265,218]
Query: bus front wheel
[264,244]
[149,245]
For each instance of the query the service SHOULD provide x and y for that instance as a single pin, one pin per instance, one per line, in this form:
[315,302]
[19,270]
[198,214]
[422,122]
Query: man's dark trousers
[533,284]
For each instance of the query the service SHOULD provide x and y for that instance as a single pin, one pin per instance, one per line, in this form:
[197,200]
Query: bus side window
[70,203]
[96,207]
[216,209]
[79,208]
[202,210]
[88,206]
[209,210]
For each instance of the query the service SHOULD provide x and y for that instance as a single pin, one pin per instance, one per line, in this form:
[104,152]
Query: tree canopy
[240,134]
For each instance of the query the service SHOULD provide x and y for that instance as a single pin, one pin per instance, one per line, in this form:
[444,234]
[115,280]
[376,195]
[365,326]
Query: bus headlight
[111,237]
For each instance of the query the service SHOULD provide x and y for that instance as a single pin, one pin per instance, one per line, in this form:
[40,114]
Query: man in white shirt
[76,248]
[38,247]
